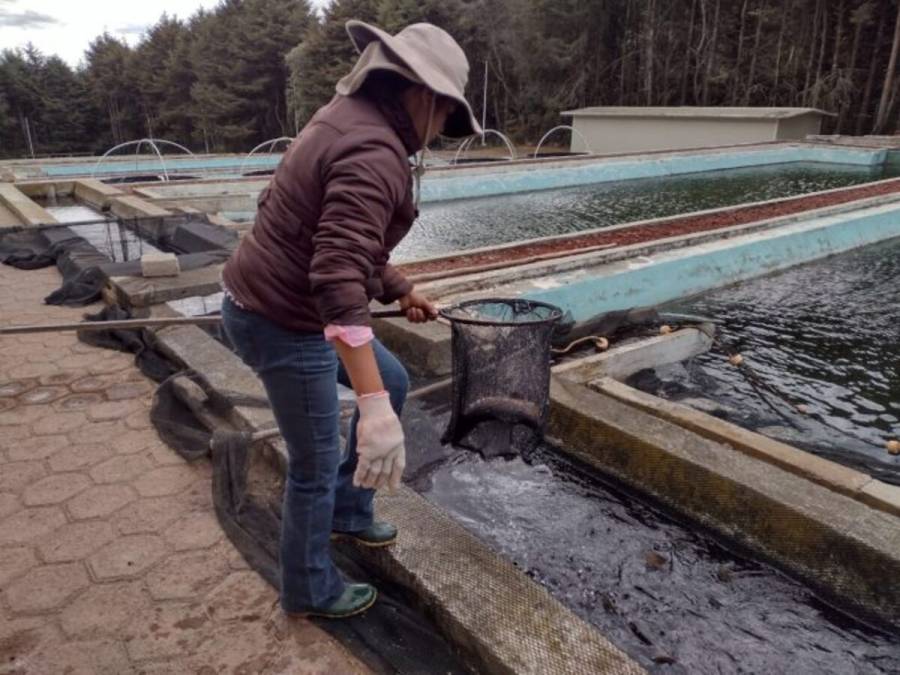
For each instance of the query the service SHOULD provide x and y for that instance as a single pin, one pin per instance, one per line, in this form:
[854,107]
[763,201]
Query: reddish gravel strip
[679,225]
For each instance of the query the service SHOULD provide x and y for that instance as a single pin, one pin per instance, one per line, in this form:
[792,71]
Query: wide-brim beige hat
[423,53]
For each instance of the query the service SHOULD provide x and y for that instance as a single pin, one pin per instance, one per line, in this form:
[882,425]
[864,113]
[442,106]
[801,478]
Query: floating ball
[893,447]
[735,359]
[665,329]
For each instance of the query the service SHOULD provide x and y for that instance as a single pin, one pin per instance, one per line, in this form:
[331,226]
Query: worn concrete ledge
[423,348]
[836,544]
[624,360]
[17,202]
[496,616]
[96,193]
[499,618]
[134,292]
[842,479]
[47,188]
[129,206]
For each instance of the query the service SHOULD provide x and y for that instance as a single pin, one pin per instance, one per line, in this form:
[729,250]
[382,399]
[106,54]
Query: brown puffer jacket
[339,202]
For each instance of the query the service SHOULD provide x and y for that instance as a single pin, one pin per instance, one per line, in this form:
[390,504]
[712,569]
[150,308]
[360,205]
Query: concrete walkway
[111,558]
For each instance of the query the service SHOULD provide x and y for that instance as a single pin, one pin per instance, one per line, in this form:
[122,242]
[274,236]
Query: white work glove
[379,444]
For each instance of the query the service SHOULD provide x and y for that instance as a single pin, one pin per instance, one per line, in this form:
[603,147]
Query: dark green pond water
[826,336]
[472,223]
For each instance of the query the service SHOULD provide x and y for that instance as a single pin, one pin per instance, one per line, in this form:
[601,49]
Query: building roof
[696,112]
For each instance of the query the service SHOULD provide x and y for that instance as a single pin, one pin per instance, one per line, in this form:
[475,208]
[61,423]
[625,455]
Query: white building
[636,129]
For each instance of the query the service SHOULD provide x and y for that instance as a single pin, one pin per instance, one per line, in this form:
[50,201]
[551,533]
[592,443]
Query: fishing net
[501,373]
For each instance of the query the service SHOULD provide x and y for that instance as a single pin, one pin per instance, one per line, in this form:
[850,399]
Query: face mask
[420,158]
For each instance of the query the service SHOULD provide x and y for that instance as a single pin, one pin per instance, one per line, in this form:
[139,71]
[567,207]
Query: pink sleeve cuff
[354,336]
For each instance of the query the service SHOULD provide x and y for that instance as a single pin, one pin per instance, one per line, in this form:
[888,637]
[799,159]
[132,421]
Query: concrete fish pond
[821,358]
[472,223]
[674,598]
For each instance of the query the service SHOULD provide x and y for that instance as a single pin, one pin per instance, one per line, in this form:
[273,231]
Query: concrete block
[160,265]
[622,361]
[822,471]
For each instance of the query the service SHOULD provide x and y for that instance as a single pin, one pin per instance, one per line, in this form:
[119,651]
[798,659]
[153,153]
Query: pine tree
[323,57]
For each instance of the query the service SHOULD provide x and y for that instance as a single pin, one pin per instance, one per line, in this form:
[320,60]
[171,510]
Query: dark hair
[385,84]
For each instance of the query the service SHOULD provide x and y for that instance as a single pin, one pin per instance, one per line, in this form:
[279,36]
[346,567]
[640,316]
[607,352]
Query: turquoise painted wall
[678,274]
[466,186]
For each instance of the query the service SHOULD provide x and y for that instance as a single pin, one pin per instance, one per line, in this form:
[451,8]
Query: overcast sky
[65,27]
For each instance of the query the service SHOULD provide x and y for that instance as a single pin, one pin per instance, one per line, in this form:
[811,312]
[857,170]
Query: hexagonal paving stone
[129,441]
[78,401]
[36,447]
[79,456]
[55,488]
[166,480]
[184,576]
[58,422]
[20,415]
[147,515]
[16,476]
[255,647]
[163,455]
[122,391]
[112,364]
[104,609]
[59,379]
[76,362]
[242,595]
[80,658]
[121,468]
[15,388]
[89,383]
[195,530]
[139,421]
[15,561]
[42,395]
[96,432]
[168,630]
[20,641]
[46,587]
[99,501]
[127,557]
[74,541]
[31,370]
[9,503]
[112,410]
[11,436]
[29,524]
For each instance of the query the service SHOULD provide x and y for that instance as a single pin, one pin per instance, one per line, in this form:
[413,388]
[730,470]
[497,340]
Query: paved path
[111,558]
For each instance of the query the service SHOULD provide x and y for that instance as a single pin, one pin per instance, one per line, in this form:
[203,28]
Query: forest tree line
[252,70]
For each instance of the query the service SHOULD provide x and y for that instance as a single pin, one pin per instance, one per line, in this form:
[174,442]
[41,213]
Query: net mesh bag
[501,372]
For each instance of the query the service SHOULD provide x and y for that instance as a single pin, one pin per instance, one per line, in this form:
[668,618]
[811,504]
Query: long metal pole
[155,322]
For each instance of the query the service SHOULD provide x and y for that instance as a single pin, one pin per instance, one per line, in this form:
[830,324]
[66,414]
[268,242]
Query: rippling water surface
[472,223]
[825,336]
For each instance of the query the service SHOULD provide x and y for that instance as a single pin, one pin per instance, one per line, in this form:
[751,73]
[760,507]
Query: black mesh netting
[85,267]
[501,373]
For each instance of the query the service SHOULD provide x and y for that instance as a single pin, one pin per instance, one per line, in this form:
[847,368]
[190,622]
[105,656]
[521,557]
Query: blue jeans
[300,372]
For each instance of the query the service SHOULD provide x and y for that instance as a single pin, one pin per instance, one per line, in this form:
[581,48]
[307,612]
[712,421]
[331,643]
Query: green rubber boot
[374,536]
[355,599]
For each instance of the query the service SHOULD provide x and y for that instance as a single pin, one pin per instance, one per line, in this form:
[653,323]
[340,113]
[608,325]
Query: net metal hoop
[555,313]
